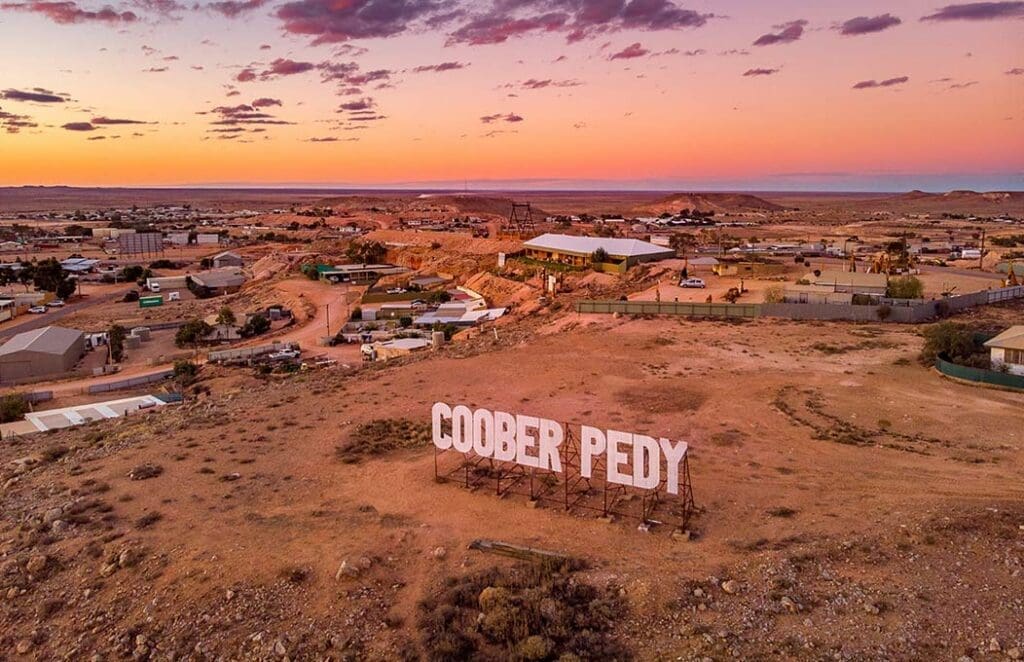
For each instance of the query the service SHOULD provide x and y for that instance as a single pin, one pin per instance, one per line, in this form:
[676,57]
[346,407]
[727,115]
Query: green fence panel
[1004,379]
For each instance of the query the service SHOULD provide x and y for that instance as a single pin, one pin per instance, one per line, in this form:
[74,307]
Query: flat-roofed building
[853,282]
[579,251]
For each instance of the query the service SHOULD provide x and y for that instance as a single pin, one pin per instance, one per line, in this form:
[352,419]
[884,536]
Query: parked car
[692,282]
[174,296]
[284,355]
[395,290]
[37,310]
[56,303]
[154,287]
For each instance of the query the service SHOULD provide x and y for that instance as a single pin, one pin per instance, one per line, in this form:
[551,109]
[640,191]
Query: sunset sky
[741,94]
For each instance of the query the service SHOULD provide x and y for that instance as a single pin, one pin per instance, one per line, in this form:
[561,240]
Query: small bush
[534,612]
[381,436]
[13,407]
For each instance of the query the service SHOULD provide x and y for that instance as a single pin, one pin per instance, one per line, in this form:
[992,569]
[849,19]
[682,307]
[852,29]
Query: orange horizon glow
[683,111]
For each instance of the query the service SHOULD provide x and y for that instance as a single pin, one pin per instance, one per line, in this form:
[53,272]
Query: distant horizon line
[438,188]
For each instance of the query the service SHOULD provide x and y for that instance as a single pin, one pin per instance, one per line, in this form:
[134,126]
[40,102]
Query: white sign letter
[551,437]
[617,457]
[646,462]
[593,443]
[524,440]
[462,431]
[483,433]
[504,436]
[439,413]
[673,456]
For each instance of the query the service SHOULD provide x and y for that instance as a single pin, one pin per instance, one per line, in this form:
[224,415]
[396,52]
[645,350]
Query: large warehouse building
[577,251]
[46,352]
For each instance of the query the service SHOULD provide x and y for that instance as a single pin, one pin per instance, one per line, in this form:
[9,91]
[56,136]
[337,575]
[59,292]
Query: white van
[154,287]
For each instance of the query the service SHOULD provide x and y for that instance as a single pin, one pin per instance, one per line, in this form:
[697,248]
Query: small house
[851,282]
[1007,350]
[227,259]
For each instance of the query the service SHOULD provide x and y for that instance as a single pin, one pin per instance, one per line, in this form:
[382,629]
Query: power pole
[981,253]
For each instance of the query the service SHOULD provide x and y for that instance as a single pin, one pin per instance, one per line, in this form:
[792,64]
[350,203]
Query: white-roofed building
[577,251]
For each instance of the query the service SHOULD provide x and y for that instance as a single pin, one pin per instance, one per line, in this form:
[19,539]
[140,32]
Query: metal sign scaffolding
[570,489]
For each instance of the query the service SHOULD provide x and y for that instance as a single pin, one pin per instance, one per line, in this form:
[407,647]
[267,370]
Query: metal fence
[131,382]
[1002,379]
[914,313]
[248,352]
[746,310]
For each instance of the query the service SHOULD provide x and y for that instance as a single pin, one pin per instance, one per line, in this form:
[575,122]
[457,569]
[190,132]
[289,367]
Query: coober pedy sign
[593,468]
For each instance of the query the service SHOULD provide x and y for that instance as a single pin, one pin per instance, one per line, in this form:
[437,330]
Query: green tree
[48,274]
[600,256]
[185,372]
[954,341]
[905,287]
[66,288]
[255,325]
[191,332]
[116,336]
[226,316]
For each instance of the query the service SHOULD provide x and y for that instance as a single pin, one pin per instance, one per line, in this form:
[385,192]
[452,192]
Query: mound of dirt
[717,202]
[500,291]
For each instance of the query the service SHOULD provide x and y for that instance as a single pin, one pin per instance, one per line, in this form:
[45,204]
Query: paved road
[30,322]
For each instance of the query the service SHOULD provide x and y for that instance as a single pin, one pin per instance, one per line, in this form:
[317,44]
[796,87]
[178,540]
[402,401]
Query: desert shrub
[955,342]
[405,322]
[905,287]
[226,316]
[13,407]
[538,611]
[381,436]
[774,294]
[599,256]
[185,372]
[357,313]
[884,312]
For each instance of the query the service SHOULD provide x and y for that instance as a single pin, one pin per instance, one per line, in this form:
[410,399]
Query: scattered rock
[145,471]
[1013,653]
[52,514]
[730,586]
[36,564]
[994,646]
[439,553]
[23,646]
[346,569]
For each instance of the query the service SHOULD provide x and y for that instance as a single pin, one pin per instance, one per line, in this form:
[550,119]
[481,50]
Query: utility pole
[981,253]
[328,320]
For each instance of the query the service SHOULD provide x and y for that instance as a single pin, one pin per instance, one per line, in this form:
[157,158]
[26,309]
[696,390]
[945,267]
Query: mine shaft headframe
[520,219]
